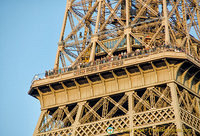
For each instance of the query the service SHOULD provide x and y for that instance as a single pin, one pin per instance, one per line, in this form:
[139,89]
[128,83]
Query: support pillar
[127,32]
[78,115]
[56,65]
[176,107]
[198,12]
[130,112]
[39,122]
[92,54]
[95,38]
[129,48]
[166,23]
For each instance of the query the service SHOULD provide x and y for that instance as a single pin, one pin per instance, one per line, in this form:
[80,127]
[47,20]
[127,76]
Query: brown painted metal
[153,93]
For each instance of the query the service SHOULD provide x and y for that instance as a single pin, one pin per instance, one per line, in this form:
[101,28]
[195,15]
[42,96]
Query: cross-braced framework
[155,97]
[96,28]
[146,111]
[134,67]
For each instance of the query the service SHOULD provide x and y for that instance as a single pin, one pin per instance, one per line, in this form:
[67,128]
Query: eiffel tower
[123,67]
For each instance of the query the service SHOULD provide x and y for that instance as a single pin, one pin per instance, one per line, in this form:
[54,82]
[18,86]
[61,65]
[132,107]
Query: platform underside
[152,95]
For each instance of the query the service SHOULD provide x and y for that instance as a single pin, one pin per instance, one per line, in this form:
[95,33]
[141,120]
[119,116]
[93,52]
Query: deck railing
[109,62]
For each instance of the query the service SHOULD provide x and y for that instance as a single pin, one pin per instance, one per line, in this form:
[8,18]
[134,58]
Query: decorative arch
[189,75]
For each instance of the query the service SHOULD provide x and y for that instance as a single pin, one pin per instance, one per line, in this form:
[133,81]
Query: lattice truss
[150,107]
[95,28]
[58,118]
[189,111]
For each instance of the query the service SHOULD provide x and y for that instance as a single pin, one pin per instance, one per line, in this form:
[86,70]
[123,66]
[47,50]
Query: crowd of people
[136,53]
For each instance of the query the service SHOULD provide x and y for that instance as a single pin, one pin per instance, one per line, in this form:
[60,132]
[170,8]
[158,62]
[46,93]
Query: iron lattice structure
[97,28]
[152,89]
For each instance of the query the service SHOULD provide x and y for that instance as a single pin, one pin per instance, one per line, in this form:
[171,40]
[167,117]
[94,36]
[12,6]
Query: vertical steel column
[166,23]
[129,48]
[130,111]
[64,21]
[176,107]
[92,54]
[39,122]
[56,64]
[76,122]
[198,12]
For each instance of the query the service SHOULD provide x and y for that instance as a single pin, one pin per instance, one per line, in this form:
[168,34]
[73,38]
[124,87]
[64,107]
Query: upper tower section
[94,29]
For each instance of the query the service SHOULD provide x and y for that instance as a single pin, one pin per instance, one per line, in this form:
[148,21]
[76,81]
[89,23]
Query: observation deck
[116,75]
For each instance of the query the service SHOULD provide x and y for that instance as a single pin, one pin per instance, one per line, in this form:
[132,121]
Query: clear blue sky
[29,32]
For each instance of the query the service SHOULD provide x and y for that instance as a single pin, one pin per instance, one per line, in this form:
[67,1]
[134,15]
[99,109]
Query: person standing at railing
[46,74]
[49,73]
[175,49]
[170,48]
[143,51]
[136,52]
[104,60]
[153,48]
[54,71]
[83,65]
[101,60]
[117,57]
[59,71]
[147,49]
[133,54]
[158,48]
[69,68]
[109,58]
[120,56]
[161,47]
[140,51]
[150,49]
[78,65]
[66,69]
[112,58]
[125,54]
[94,63]
[63,70]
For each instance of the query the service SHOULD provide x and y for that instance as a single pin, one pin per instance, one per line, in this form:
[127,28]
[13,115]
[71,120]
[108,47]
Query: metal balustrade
[108,63]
